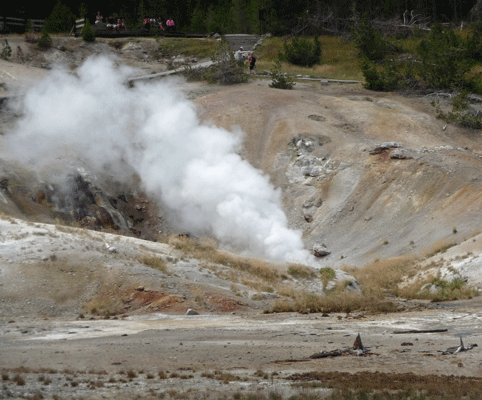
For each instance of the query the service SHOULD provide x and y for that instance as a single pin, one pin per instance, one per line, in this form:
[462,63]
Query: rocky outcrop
[380,148]
[342,277]
[79,199]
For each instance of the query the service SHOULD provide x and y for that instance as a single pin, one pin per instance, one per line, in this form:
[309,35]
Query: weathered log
[421,331]
[332,353]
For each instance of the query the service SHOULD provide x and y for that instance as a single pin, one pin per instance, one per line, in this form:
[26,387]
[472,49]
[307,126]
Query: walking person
[252,63]
[238,56]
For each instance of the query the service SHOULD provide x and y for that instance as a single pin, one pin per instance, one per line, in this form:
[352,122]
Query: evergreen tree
[198,20]
[88,33]
[82,10]
[60,19]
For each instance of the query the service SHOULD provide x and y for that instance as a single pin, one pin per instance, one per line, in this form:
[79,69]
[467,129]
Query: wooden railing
[11,24]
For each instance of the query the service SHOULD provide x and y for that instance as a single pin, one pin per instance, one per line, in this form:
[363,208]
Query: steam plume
[191,167]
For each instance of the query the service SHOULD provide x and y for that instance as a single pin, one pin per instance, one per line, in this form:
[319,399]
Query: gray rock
[380,148]
[308,217]
[316,117]
[351,283]
[313,201]
[342,277]
[400,154]
[191,312]
[111,249]
[305,145]
[178,61]
[320,250]
[130,46]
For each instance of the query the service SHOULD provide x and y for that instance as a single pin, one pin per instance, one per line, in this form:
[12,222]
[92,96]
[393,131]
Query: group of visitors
[147,23]
[240,55]
[112,22]
[157,23]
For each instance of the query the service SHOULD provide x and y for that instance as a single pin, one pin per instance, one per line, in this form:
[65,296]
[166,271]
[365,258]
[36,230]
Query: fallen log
[290,361]
[357,348]
[422,331]
[332,353]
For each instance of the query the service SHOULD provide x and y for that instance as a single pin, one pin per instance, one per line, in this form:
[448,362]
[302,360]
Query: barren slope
[367,200]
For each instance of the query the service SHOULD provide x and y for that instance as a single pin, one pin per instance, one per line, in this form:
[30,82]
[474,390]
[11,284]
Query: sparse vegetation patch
[155,262]
[327,274]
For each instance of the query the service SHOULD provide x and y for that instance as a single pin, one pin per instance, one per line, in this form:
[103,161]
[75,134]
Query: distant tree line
[236,16]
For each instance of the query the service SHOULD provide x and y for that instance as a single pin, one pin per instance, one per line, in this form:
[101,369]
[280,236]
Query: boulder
[320,250]
[342,277]
[191,312]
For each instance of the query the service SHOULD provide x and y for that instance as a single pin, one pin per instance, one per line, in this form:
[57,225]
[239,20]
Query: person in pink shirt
[170,25]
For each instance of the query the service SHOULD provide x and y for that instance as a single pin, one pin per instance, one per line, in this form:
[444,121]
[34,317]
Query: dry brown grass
[7,218]
[156,263]
[109,301]
[334,302]
[301,271]
[206,250]
[378,277]
[438,247]
[389,275]
[19,380]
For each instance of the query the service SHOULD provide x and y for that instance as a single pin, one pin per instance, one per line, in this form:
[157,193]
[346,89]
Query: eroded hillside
[369,175]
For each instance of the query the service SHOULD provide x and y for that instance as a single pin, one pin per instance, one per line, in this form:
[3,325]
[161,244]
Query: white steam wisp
[192,167]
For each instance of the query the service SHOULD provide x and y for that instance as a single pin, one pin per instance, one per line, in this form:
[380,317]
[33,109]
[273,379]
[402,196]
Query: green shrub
[303,52]
[29,26]
[445,59]
[45,41]
[374,79]
[88,33]
[368,40]
[6,51]
[327,274]
[279,80]
[393,75]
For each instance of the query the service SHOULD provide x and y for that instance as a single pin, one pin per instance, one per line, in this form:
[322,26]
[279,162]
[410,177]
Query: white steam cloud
[192,167]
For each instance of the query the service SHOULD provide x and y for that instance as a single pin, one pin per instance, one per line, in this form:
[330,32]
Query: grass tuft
[19,380]
[301,271]
[156,263]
